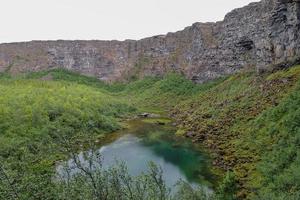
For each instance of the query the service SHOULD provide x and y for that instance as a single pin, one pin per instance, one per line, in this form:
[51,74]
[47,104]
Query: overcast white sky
[24,20]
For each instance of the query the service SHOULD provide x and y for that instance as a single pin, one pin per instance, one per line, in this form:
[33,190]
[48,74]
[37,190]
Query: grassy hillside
[37,118]
[276,133]
[250,122]
[163,94]
[240,119]
[150,93]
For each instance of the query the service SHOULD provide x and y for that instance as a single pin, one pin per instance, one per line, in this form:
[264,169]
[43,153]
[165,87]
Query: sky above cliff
[25,20]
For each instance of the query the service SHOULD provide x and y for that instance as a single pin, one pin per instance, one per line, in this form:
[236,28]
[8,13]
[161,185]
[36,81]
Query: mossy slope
[231,120]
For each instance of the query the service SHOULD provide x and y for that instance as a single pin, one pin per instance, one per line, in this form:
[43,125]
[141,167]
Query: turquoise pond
[145,142]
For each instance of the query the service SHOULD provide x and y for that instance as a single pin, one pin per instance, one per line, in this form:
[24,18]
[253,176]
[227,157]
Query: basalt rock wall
[262,36]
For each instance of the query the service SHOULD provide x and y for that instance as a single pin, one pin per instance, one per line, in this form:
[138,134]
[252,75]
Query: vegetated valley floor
[249,122]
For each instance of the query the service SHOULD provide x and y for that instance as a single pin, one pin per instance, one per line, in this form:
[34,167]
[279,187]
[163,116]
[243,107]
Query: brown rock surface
[262,35]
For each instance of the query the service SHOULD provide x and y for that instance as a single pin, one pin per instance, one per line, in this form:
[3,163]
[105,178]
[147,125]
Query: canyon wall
[262,36]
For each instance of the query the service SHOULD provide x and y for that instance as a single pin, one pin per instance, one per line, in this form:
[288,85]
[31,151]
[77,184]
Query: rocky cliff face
[262,35]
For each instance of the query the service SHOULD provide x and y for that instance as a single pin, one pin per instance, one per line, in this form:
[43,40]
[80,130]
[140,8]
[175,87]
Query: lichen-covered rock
[263,35]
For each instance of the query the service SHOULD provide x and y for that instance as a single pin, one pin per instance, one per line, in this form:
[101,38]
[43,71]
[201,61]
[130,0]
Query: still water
[144,142]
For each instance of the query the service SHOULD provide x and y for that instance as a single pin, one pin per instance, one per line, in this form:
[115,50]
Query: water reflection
[178,160]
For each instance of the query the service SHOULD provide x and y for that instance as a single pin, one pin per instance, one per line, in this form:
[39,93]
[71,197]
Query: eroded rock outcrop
[262,35]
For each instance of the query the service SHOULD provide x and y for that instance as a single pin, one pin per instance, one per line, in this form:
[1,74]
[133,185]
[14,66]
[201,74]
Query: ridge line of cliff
[260,36]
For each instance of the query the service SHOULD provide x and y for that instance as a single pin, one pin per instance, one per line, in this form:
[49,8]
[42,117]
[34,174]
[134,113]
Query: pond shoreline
[163,144]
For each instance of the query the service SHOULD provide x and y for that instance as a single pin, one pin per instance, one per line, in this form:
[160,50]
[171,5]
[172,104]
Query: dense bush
[38,117]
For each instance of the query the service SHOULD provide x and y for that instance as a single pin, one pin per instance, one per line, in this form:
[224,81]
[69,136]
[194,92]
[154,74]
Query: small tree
[227,189]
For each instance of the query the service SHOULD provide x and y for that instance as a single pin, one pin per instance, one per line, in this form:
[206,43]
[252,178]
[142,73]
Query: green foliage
[43,111]
[187,192]
[177,84]
[93,181]
[38,117]
[250,121]
[224,116]
[280,165]
[4,75]
[227,189]
[69,76]
[31,106]
[140,85]
[153,93]
[146,93]
[116,183]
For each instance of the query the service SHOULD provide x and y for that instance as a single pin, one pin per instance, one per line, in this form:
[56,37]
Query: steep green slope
[221,114]
[224,119]
[164,93]
[150,93]
[277,136]
[249,122]
[37,118]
